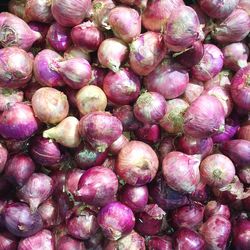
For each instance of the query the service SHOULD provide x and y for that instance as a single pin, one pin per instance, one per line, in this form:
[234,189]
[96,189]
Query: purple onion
[215,208]
[64,203]
[149,133]
[244,175]
[113,225]
[139,3]
[66,243]
[223,79]
[76,52]
[5,187]
[166,146]
[95,241]
[72,180]
[8,241]
[98,75]
[97,186]
[3,157]
[241,238]
[193,90]
[160,243]
[21,221]
[117,145]
[42,28]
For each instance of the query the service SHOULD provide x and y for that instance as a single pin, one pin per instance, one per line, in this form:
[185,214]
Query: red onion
[18,122]
[137,163]
[40,241]
[182,29]
[200,194]
[95,241]
[222,79]
[19,168]
[66,243]
[205,108]
[45,70]
[193,91]
[109,162]
[139,3]
[215,208]
[210,64]
[117,145]
[5,187]
[15,32]
[90,99]
[181,171]
[188,239]
[244,175]
[50,105]
[20,221]
[9,97]
[132,241]
[151,221]
[216,231]
[72,180]
[45,152]
[189,216]
[70,13]
[203,18]
[244,132]
[149,133]
[244,4]
[64,203]
[115,226]
[39,11]
[112,53]
[98,75]
[42,28]
[87,36]
[160,243]
[81,222]
[100,129]
[146,52]
[8,241]
[76,52]
[16,67]
[134,197]
[166,146]
[193,146]
[122,87]
[170,79]
[173,120]
[125,22]
[157,13]
[240,88]
[241,238]
[58,37]
[87,157]
[17,7]
[3,157]
[66,132]
[234,28]
[97,186]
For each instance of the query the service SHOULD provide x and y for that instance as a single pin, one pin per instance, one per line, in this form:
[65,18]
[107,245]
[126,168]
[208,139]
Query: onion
[19,168]
[3,157]
[146,52]
[64,204]
[125,22]
[42,28]
[66,242]
[44,69]
[181,171]
[150,107]
[18,122]
[200,194]
[15,32]
[20,221]
[40,241]
[151,220]
[244,132]
[45,152]
[72,180]
[244,175]
[50,105]
[70,13]
[17,7]
[16,146]
[160,243]
[39,11]
[166,197]
[87,157]
[122,87]
[216,231]
[8,241]
[210,64]
[240,88]
[173,120]
[244,4]
[235,56]
[76,52]
[117,145]
[215,208]
[241,238]
[135,198]
[189,216]
[139,3]
[98,75]
[205,108]
[166,146]
[81,222]
[169,79]
[59,178]
[137,163]
[16,67]
[112,53]
[193,146]
[203,18]
[9,97]
[149,133]
[188,239]
[234,28]
[192,91]
[182,29]
[100,129]
[222,79]
[157,13]
[95,241]
[5,187]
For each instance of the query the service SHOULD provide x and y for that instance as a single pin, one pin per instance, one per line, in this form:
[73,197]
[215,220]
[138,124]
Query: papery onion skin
[149,133]
[66,242]
[125,22]
[76,52]
[68,13]
[244,4]
[137,163]
[177,166]
[96,241]
[241,239]
[97,186]
[222,79]
[193,91]
[50,105]
[204,108]
[9,97]
[169,79]
[160,243]
[139,3]
[215,208]
[16,67]
[8,241]
[42,28]
[117,145]
[3,157]
[18,122]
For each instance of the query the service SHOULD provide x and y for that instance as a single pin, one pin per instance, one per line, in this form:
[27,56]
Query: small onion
[98,75]
[165,147]
[9,97]
[244,175]
[223,79]
[76,52]
[8,241]
[244,132]
[245,5]
[16,146]
[42,28]
[139,3]
[72,180]
[215,208]
[241,238]
[66,242]
[149,133]
[117,145]
[160,243]
[193,91]
[3,157]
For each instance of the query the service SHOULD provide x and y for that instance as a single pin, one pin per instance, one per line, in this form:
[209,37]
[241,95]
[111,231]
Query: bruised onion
[241,238]
[201,193]
[159,243]
[9,97]
[8,241]
[181,171]
[66,242]
[139,3]
[115,226]
[137,163]
[100,129]
[215,208]
[118,144]
[3,157]
[50,105]
[149,133]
